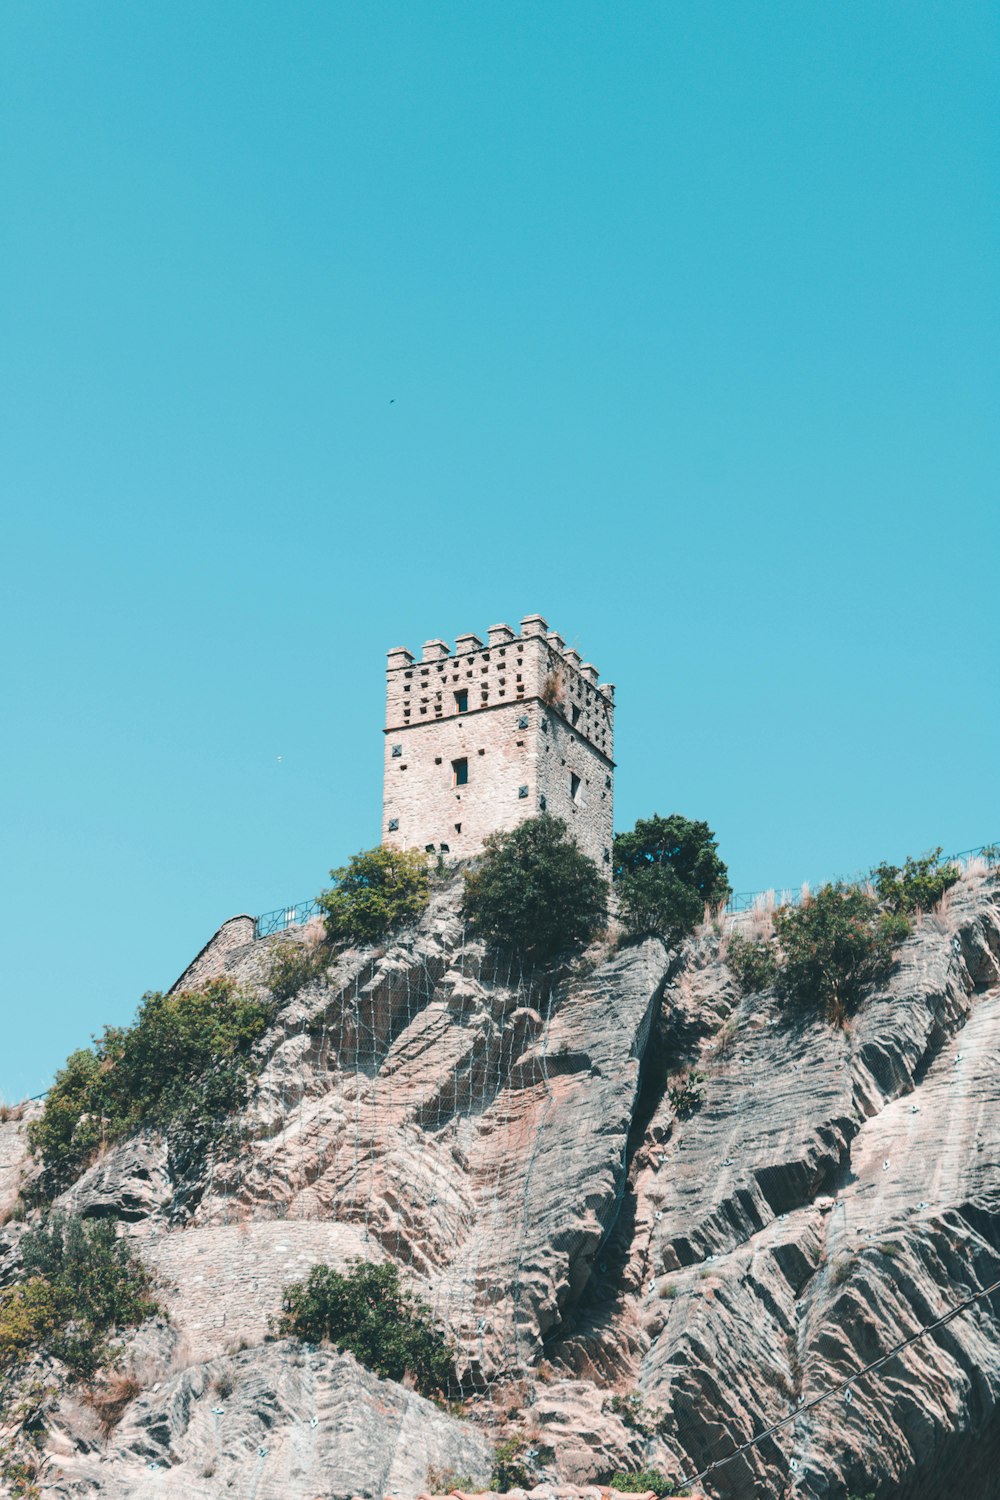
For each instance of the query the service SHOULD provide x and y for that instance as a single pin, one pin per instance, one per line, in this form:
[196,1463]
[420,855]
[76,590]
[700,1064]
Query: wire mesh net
[735,1295]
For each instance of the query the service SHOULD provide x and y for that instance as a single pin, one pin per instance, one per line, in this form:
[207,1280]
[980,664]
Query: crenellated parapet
[507,668]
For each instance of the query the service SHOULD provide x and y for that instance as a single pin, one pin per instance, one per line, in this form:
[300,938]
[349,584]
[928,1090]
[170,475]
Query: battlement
[505,669]
[492,732]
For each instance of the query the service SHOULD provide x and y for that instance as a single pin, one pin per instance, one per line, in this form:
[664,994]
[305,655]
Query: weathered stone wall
[500,708]
[235,933]
[588,814]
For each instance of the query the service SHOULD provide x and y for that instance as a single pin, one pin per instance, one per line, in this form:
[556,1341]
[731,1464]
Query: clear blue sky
[331,327]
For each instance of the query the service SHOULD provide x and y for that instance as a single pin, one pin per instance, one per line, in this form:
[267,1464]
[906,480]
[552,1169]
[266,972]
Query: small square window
[522,791]
[481,752]
[393,825]
[460,772]
[437,760]
[397,751]
[522,722]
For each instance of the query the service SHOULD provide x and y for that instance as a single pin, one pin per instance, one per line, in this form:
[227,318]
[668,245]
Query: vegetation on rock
[687,1093]
[293,965]
[753,961]
[377,891]
[534,892]
[184,1062]
[81,1286]
[511,1471]
[643,1482]
[839,943]
[368,1313]
[666,872]
[834,948]
[635,1414]
[916,885]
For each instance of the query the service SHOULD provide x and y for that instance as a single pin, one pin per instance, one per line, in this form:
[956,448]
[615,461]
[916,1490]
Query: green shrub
[754,963]
[293,965]
[82,1284]
[377,891]
[644,1481]
[666,872]
[510,1472]
[367,1312]
[834,949]
[635,1414]
[916,885]
[687,1094]
[184,1062]
[535,893]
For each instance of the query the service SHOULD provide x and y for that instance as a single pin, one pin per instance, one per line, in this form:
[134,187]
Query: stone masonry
[478,739]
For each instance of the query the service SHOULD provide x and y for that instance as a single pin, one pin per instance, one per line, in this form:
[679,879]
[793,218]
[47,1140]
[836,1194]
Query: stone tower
[483,737]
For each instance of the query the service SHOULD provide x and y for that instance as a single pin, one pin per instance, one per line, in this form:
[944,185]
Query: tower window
[458,828]
[462,701]
[574,786]
[460,772]
[575,713]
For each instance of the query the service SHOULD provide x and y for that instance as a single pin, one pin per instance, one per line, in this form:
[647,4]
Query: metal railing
[789,896]
[284,917]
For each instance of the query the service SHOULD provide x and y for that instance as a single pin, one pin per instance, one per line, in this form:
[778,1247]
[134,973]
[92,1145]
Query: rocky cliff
[626,1288]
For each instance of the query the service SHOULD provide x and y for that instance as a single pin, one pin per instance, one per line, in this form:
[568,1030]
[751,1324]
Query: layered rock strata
[624,1287]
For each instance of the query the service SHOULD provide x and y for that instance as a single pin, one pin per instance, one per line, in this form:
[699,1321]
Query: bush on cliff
[377,891]
[184,1062]
[834,948]
[753,961]
[535,893]
[367,1312]
[295,964]
[916,885]
[646,1481]
[81,1285]
[667,870]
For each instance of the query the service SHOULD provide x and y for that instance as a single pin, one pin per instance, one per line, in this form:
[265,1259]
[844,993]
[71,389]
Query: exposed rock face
[519,1156]
[277,1420]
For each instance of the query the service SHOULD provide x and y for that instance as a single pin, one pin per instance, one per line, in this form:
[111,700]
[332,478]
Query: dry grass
[10,1112]
[553,688]
[149,1369]
[112,1396]
[722,1042]
[762,915]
